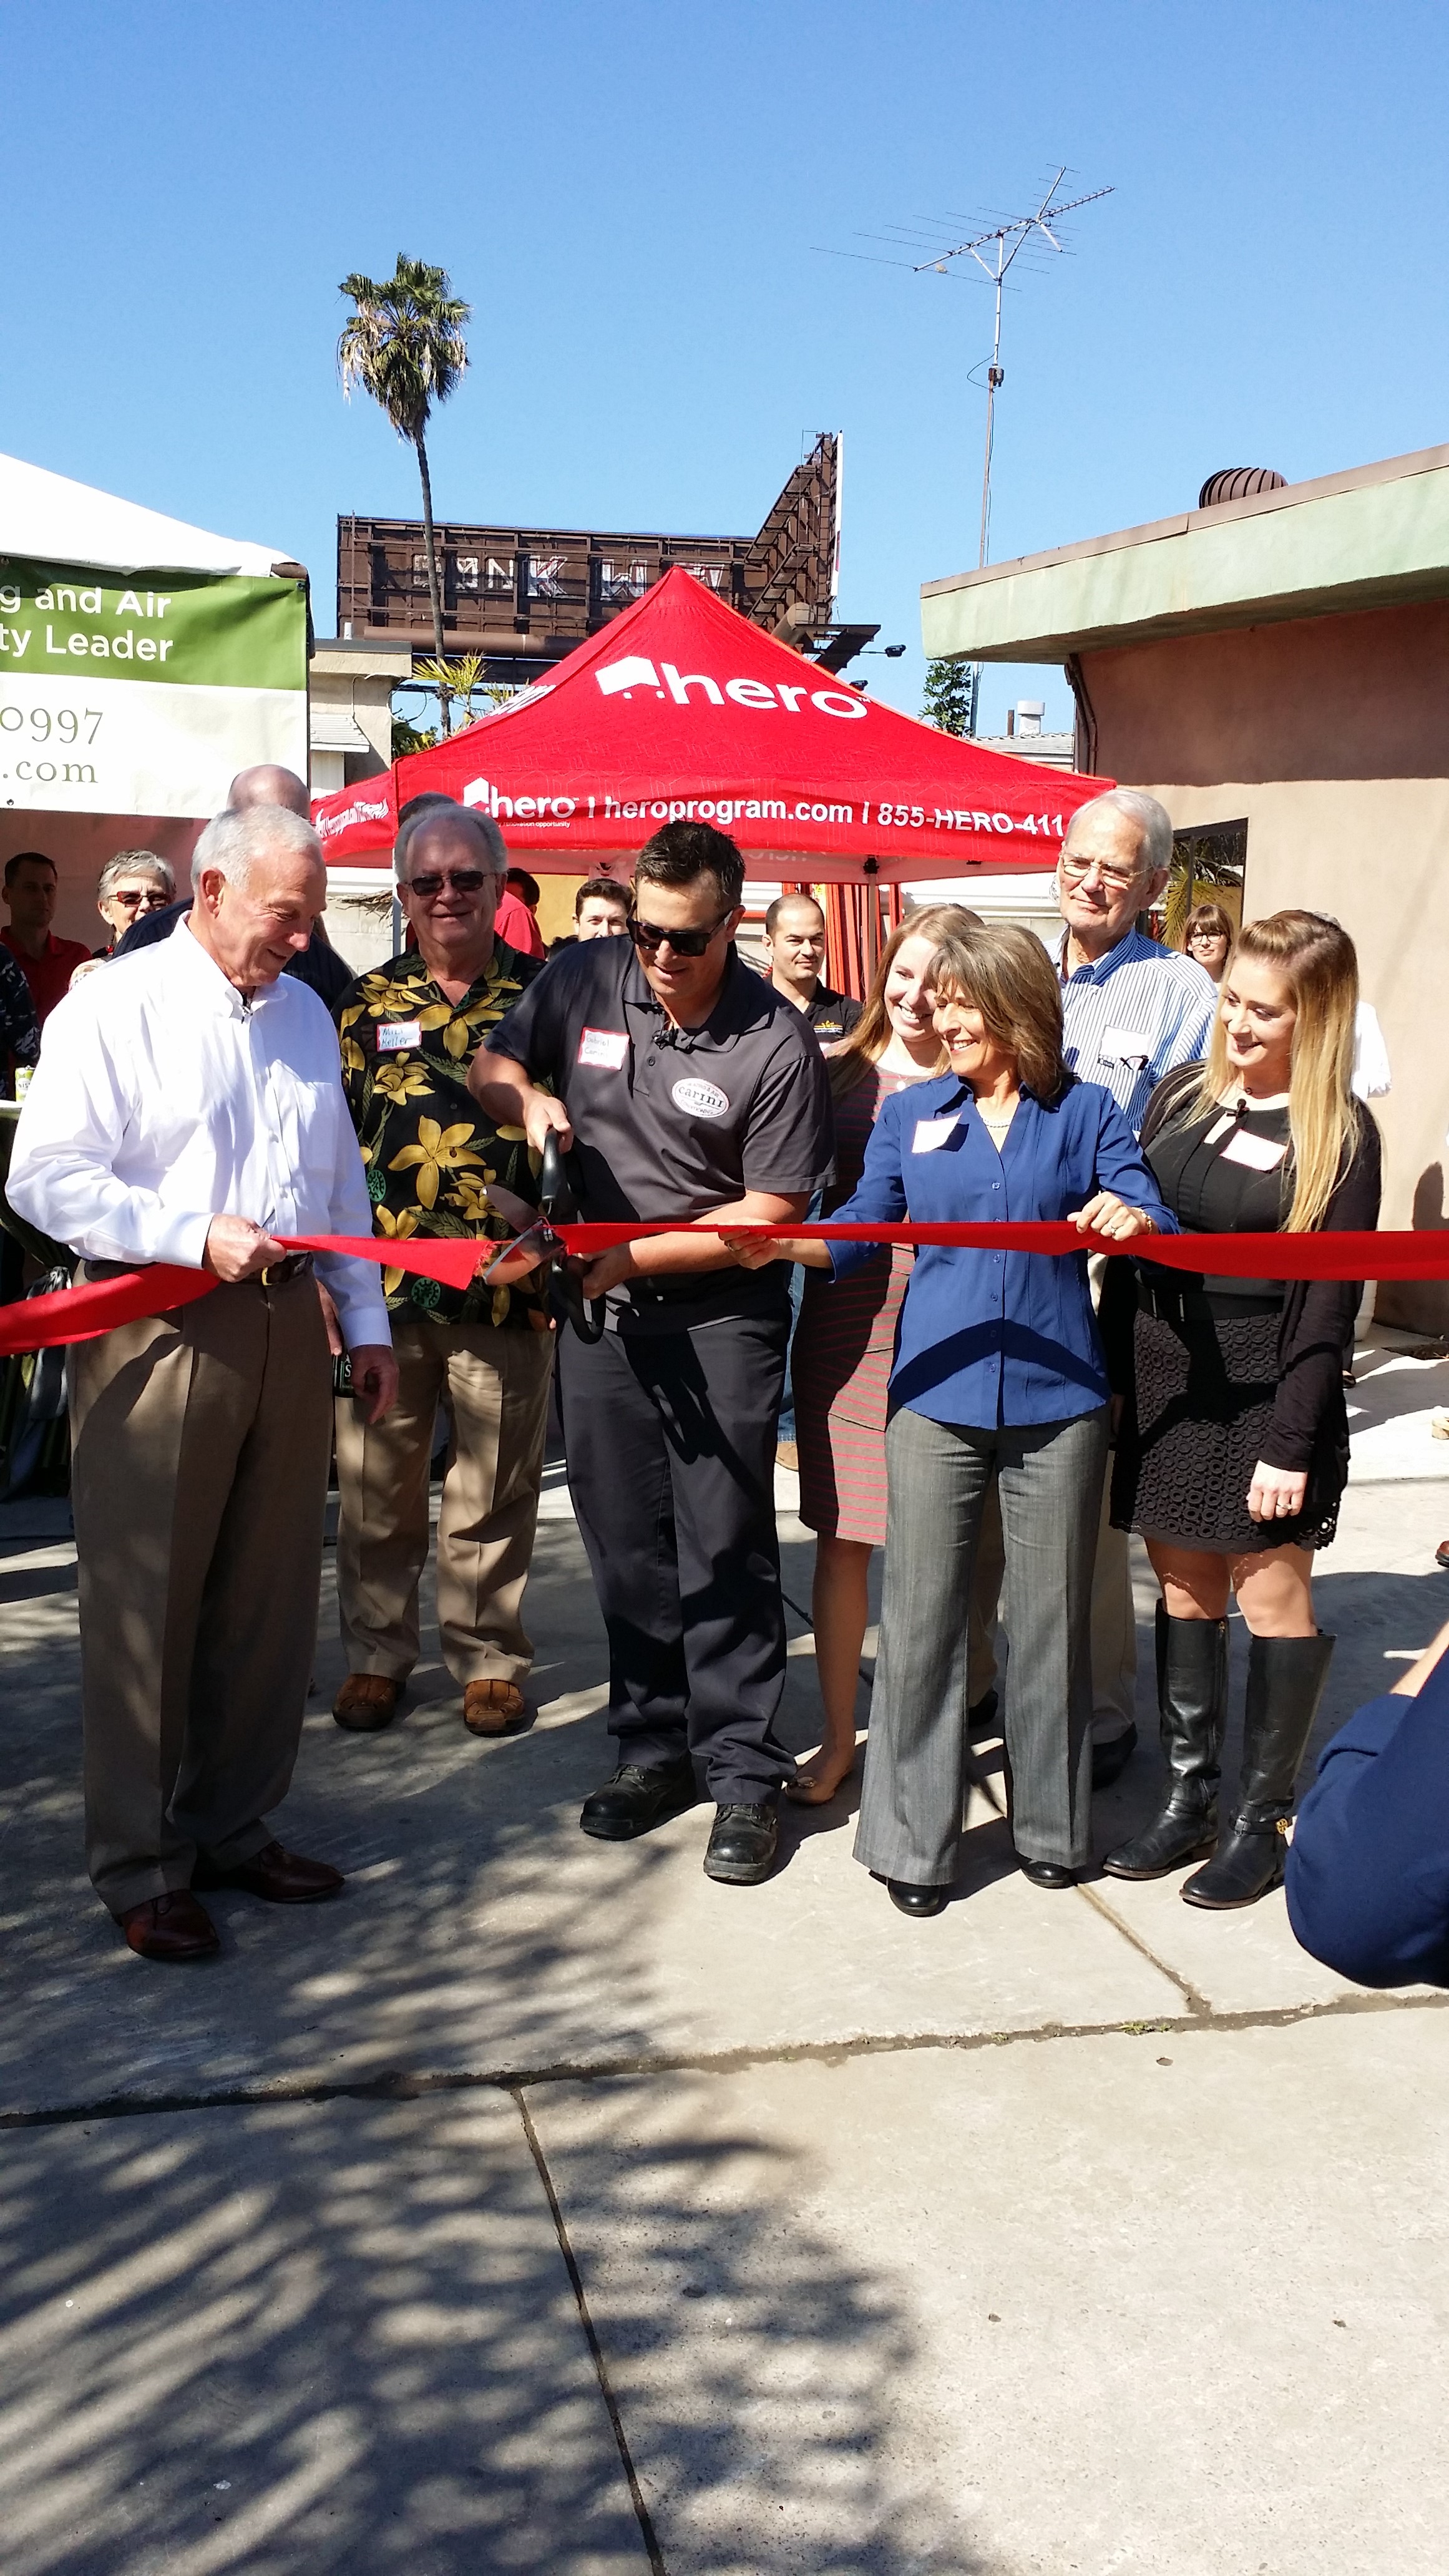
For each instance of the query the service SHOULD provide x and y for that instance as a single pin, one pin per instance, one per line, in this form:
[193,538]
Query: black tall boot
[1285,1684]
[1192,1690]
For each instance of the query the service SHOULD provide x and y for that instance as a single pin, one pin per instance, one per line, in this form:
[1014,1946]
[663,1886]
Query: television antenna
[994,251]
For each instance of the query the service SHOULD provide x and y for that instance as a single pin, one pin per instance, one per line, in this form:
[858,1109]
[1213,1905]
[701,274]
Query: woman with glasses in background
[132,884]
[1208,938]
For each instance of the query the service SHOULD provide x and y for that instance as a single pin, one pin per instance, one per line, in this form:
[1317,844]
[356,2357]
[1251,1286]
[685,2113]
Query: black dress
[1220,1372]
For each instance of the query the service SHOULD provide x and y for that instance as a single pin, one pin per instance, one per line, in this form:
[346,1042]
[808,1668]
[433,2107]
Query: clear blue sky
[627,192]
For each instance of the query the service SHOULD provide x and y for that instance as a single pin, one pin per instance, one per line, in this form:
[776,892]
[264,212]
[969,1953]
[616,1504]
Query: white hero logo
[635,671]
[699,1099]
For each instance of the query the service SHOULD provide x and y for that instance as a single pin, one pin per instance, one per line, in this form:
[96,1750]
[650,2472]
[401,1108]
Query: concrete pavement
[542,2206]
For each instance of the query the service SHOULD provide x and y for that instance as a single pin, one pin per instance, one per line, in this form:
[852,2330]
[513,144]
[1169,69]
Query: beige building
[350,686]
[1280,661]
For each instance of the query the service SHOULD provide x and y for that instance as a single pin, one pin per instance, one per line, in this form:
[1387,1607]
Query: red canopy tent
[681,709]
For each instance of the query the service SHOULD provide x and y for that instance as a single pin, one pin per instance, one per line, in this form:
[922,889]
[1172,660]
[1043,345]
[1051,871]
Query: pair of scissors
[534,1227]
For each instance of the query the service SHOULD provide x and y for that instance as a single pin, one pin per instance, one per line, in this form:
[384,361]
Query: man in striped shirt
[1131,1009]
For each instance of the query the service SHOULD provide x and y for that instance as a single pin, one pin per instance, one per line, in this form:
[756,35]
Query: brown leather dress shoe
[491,1707]
[282,1877]
[169,1927]
[366,1702]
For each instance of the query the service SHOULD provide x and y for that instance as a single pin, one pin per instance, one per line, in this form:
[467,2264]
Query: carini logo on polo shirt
[699,1099]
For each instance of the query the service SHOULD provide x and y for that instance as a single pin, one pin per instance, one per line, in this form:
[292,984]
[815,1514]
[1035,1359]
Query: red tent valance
[681,709]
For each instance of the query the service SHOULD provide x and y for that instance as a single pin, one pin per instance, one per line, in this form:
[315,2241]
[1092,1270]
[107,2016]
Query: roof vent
[1239,483]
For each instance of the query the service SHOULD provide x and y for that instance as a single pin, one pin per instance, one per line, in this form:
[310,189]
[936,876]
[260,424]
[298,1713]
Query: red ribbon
[80,1314]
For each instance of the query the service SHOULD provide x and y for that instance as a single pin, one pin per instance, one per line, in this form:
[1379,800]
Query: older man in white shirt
[187,1108]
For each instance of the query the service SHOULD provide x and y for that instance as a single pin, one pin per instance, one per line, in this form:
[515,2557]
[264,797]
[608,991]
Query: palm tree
[404,345]
[1210,858]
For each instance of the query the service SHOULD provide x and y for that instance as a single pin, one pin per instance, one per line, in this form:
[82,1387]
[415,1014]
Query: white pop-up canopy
[54,520]
[142,663]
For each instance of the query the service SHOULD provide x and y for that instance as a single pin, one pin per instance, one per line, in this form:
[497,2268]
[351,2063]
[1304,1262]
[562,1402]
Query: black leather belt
[295,1266]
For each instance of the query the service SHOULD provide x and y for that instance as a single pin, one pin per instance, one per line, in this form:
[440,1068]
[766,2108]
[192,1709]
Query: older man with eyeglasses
[1132,1009]
[484,1353]
[692,1092]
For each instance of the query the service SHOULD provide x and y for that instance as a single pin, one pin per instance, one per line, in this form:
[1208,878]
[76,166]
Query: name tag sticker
[1126,1046]
[1259,1153]
[394,1035]
[606,1047]
[933,1132]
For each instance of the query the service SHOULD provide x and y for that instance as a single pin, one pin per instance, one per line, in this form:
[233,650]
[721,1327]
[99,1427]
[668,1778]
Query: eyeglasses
[131,896]
[1111,880]
[458,880]
[683,943]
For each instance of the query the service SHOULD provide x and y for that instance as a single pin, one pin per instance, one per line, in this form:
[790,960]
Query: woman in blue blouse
[998,1367]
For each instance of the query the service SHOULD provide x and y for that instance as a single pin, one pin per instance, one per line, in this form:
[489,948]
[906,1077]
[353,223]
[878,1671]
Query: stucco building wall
[1331,736]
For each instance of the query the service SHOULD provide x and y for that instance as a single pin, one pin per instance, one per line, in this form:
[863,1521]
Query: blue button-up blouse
[991,1338]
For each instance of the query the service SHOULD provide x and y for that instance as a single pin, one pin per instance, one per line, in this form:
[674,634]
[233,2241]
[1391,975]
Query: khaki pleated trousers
[493,1382]
[200,1446]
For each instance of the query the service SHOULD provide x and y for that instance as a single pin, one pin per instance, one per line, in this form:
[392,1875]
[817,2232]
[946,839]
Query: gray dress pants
[1049,1480]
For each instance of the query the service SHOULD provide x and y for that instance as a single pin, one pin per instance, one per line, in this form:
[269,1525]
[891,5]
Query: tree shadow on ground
[340,2337]
[758,2364]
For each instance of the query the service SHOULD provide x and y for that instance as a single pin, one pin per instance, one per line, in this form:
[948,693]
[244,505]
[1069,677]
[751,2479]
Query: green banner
[186,629]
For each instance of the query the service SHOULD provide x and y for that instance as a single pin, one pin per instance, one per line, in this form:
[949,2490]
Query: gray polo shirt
[674,1122]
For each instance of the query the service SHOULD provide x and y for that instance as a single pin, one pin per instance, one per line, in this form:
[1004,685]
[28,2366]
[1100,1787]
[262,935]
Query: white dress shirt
[163,1099]
[1371,1076]
[1132,1016]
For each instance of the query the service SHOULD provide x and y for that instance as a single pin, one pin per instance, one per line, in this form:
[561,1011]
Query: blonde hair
[1006,975]
[1318,962]
[871,1034]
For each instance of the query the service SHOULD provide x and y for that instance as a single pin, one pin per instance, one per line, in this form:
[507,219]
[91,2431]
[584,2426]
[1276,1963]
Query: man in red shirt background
[47,963]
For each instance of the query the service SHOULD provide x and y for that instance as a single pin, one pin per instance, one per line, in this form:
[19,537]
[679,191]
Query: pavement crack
[642,2514]
[402,2085]
[1196,2003]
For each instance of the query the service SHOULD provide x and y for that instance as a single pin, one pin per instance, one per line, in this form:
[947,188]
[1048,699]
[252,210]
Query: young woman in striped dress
[847,1337]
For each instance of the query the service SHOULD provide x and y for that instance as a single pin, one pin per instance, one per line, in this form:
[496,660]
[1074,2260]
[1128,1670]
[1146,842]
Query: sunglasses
[683,943]
[460,880]
[130,896]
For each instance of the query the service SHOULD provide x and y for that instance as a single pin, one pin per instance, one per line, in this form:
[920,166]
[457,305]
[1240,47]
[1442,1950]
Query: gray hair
[457,817]
[134,863]
[1153,821]
[232,842]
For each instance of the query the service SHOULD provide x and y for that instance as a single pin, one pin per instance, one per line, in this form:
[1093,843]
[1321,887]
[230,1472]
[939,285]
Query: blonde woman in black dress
[1233,1451]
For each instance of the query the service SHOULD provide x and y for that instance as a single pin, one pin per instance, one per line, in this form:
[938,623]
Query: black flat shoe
[916,1900]
[1109,1761]
[742,1845]
[1049,1873]
[636,1799]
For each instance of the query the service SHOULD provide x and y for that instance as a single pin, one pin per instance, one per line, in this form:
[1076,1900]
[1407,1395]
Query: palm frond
[404,343]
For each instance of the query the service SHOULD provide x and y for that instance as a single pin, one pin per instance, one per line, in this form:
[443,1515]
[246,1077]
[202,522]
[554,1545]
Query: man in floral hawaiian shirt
[409,1030]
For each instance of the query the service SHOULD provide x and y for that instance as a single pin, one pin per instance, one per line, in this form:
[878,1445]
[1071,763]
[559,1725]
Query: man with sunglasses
[688,1089]
[485,1352]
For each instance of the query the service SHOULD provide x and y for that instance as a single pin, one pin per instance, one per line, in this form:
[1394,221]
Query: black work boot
[742,1845]
[1192,1690]
[636,1798]
[1285,1684]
